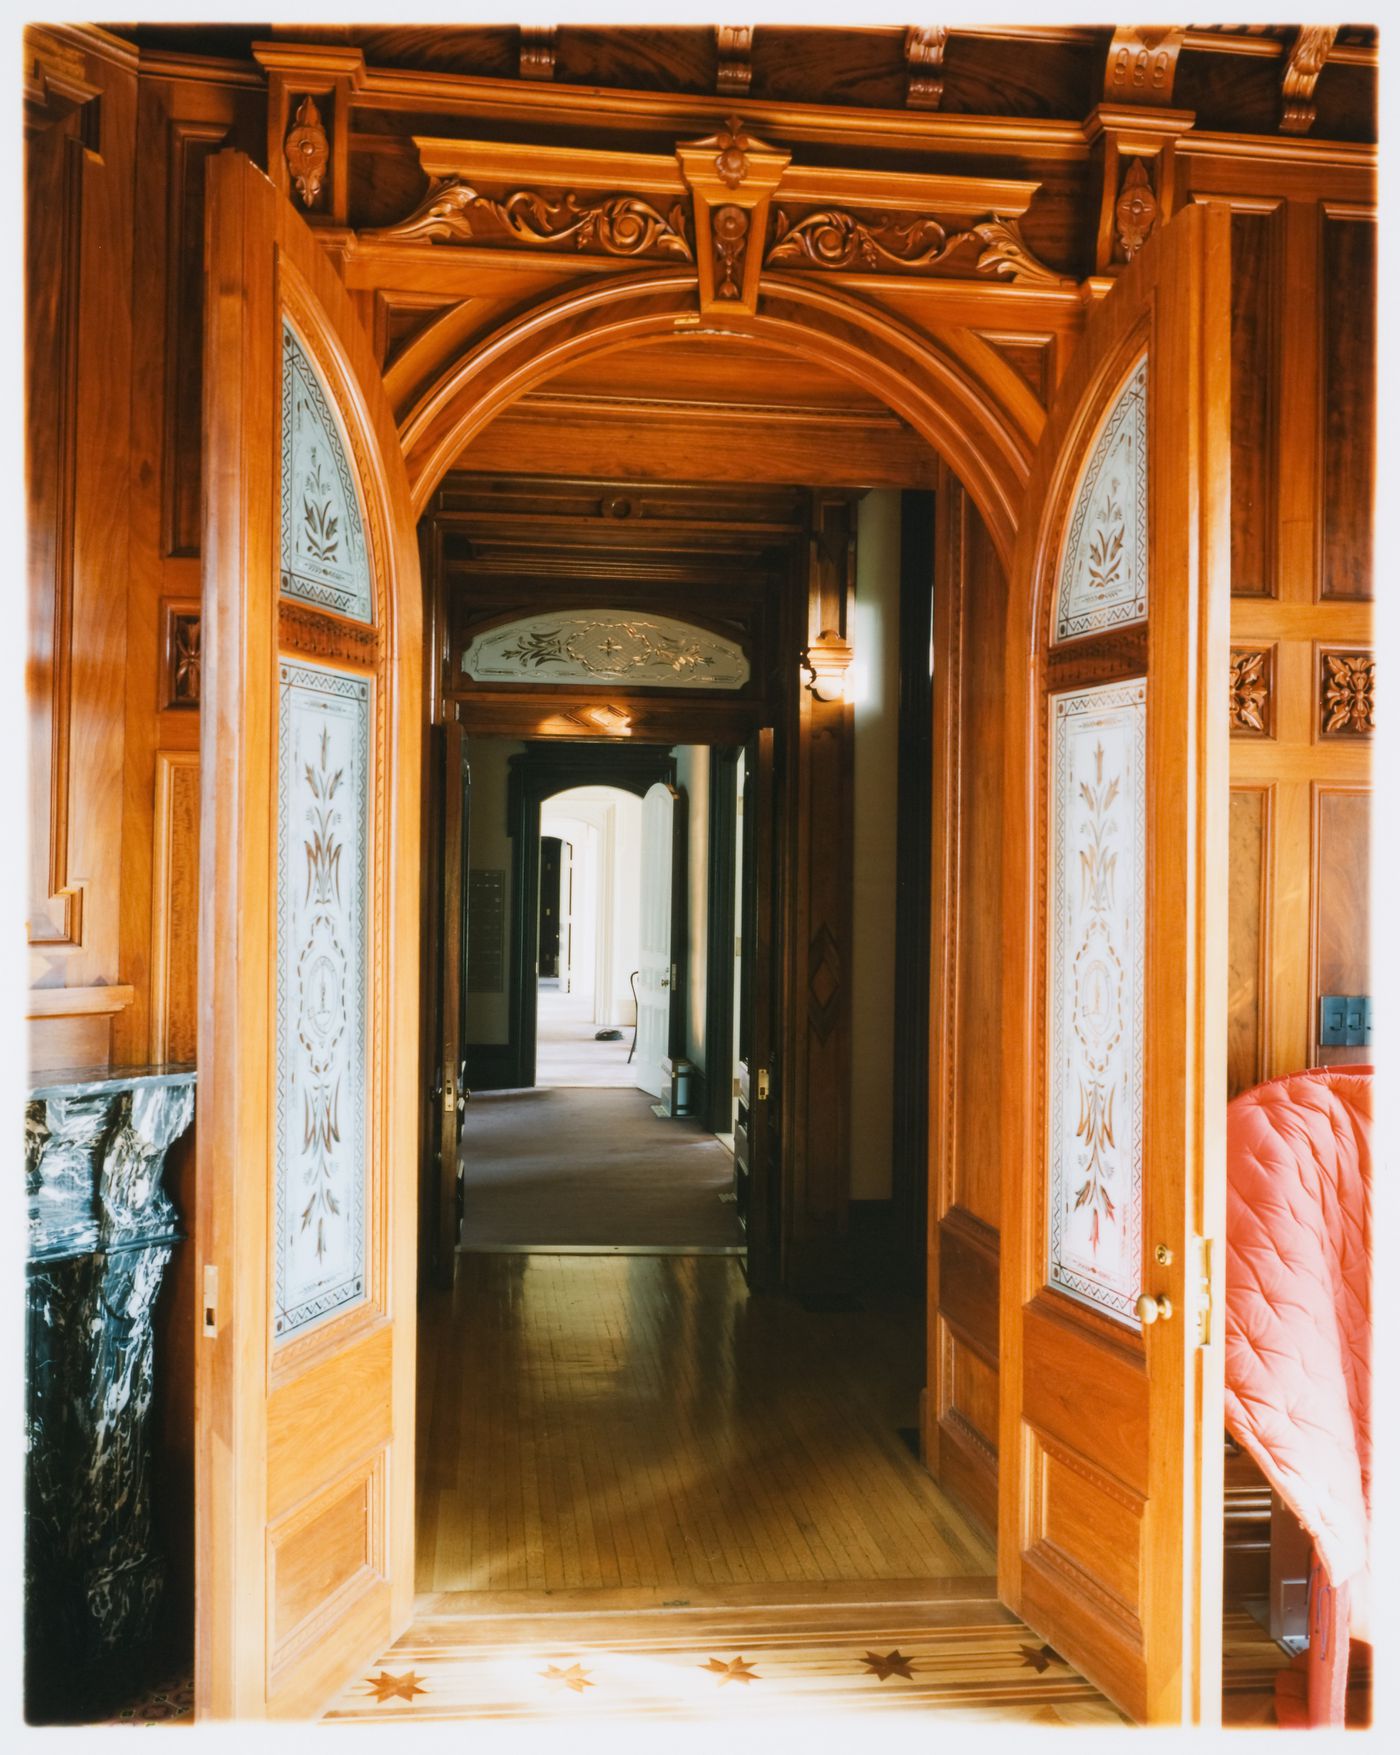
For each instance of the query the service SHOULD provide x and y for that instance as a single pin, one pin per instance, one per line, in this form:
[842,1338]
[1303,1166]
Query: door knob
[665,981]
[1150,1308]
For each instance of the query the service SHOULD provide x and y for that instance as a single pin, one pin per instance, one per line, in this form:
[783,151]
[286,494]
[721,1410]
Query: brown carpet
[578,1168]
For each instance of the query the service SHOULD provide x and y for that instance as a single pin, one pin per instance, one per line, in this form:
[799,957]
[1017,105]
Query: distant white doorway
[599,829]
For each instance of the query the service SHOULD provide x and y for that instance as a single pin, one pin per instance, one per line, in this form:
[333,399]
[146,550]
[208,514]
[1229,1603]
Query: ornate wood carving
[729,227]
[735,44]
[732,144]
[1137,209]
[924,47]
[301,629]
[1301,71]
[731,175]
[308,152]
[1141,66]
[454,211]
[1348,686]
[537,50]
[181,657]
[1251,693]
[836,239]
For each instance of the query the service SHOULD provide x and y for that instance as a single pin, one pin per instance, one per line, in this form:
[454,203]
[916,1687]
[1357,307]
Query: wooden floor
[591,1422]
[714,1655]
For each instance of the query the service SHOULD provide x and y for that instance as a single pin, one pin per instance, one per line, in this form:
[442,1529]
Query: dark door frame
[539,772]
[719,939]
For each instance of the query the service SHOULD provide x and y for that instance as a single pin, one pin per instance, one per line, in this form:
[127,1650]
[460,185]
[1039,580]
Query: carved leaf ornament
[616,225]
[836,239]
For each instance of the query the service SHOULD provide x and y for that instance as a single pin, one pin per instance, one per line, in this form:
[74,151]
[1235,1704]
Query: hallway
[591,1169]
[590,1422]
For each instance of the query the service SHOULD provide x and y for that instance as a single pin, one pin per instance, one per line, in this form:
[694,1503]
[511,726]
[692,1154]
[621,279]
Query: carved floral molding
[835,239]
[1251,693]
[616,225]
[1348,691]
[734,205]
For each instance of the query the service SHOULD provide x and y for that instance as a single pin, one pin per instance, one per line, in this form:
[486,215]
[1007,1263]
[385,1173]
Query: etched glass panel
[1103,568]
[1095,992]
[322,992]
[607,646]
[324,558]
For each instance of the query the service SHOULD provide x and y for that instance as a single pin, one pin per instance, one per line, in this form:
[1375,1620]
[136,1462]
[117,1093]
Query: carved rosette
[732,146]
[1137,210]
[308,152]
[833,238]
[1348,691]
[182,659]
[1251,693]
[613,225]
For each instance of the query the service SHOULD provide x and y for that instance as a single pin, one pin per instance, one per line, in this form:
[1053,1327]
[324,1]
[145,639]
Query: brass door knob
[1149,1309]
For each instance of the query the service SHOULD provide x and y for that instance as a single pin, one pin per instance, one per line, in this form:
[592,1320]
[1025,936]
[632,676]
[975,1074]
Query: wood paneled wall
[1302,660]
[80,127]
[1302,657]
[180,122]
[960,1413]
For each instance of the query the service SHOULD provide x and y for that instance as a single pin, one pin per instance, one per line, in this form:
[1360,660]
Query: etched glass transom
[606,646]
[1103,566]
[325,561]
[322,992]
[1097,944]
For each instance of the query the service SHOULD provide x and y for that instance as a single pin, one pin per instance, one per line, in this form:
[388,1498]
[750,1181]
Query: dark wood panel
[1256,293]
[969,1286]
[1250,818]
[977,1169]
[190,145]
[1348,402]
[1341,904]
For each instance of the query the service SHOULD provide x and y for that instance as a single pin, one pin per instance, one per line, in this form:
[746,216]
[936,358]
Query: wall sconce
[826,662]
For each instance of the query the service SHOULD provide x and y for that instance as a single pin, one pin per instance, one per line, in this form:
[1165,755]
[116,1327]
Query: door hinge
[1203,1252]
[211,1301]
[762,1084]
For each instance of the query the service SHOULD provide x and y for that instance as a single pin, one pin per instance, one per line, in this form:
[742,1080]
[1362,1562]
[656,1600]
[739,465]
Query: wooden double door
[1111,1089]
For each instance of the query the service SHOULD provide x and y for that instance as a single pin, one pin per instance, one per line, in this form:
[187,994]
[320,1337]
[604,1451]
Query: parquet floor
[604,1422]
[712,1657]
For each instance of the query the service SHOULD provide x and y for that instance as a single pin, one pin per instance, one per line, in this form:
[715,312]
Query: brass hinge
[1203,1251]
[211,1301]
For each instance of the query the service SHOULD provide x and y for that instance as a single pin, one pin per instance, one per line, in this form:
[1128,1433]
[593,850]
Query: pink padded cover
[1298,1304]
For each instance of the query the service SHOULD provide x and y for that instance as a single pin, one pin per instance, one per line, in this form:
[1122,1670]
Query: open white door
[308,979]
[657,974]
[1115,984]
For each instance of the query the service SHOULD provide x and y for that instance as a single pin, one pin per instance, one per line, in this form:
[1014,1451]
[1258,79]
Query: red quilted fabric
[1298,1304]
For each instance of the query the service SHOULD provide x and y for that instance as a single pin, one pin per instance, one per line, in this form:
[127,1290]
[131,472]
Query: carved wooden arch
[969,404]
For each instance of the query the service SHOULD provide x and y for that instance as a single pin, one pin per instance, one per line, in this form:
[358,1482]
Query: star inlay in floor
[575,1677]
[736,1670]
[894,1663]
[1040,1659]
[386,1687]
